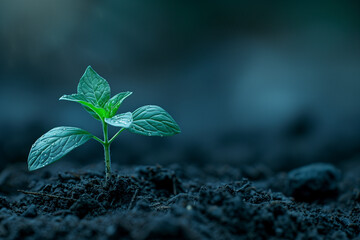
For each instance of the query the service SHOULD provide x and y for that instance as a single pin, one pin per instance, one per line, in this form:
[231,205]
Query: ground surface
[153,202]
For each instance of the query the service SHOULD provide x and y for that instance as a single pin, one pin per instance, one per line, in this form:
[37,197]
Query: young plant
[93,92]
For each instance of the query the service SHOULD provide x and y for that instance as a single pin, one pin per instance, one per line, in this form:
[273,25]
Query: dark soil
[313,202]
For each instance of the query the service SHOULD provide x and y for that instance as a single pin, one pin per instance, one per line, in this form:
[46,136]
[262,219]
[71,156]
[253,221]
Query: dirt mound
[177,203]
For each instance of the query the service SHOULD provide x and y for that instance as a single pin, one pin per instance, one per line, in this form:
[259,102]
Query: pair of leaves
[93,92]
[147,120]
[94,95]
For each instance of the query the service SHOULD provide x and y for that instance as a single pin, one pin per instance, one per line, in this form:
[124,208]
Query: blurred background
[249,82]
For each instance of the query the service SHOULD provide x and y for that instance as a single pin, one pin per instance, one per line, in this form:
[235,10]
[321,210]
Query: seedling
[93,92]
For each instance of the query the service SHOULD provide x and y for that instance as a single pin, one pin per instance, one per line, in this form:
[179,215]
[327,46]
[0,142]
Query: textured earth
[317,201]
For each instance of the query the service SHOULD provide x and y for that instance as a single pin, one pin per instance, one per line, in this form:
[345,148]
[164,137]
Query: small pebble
[314,181]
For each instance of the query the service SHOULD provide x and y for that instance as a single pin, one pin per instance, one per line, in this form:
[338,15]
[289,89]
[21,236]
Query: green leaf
[55,144]
[114,103]
[152,120]
[96,112]
[94,88]
[121,120]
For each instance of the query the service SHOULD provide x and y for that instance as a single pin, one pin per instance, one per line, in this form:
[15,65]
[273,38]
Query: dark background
[249,82]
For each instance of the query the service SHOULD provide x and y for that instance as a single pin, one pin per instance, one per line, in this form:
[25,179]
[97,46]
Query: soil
[317,201]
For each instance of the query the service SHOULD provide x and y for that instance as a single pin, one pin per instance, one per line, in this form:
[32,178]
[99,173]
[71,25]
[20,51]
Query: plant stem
[113,138]
[107,161]
[107,151]
[98,139]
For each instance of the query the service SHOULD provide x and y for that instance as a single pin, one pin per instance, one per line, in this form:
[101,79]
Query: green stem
[113,138]
[107,161]
[98,139]
[107,151]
